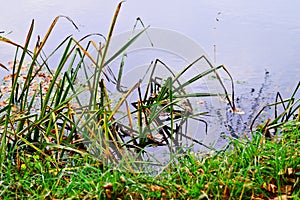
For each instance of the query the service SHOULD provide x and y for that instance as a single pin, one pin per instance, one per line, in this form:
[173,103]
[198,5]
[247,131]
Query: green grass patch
[253,169]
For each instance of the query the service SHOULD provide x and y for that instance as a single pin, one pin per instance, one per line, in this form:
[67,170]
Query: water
[258,41]
[249,36]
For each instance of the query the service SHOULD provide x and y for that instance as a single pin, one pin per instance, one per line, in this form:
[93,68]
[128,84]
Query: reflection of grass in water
[284,110]
[250,100]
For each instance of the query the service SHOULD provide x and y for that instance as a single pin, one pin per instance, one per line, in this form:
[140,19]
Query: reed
[65,135]
[56,114]
[284,111]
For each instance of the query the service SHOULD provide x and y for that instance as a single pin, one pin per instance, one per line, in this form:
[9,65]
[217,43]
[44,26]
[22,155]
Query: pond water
[258,41]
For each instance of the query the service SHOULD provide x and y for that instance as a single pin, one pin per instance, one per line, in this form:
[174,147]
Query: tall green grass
[57,115]
[62,135]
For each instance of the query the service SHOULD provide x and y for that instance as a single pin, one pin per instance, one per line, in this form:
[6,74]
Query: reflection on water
[250,36]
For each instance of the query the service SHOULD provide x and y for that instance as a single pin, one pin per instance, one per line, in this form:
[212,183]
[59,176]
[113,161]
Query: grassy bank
[253,169]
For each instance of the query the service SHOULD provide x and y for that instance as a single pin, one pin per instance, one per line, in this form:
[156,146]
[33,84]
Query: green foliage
[58,114]
[56,144]
[257,168]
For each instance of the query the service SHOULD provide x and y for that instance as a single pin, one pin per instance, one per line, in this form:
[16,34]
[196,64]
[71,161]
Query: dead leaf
[108,186]
[155,188]
[290,171]
[122,179]
[282,197]
[3,103]
[238,111]
[108,193]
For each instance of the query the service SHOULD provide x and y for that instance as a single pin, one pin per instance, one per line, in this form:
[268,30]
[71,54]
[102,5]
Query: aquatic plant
[284,110]
[69,111]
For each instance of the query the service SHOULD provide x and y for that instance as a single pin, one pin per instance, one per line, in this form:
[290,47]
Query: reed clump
[63,134]
[58,110]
